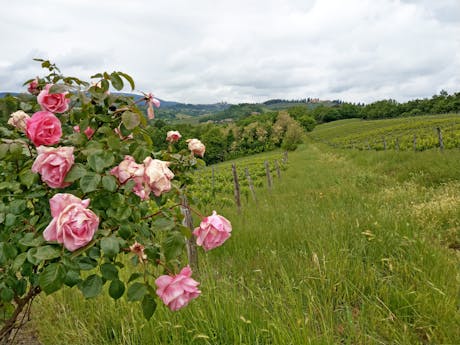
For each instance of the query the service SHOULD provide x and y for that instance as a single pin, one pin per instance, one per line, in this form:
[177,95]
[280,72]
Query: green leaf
[109,183]
[18,261]
[100,161]
[136,292]
[173,245]
[90,182]
[116,289]
[129,79]
[134,276]
[52,278]
[164,224]
[47,252]
[28,178]
[29,240]
[6,294]
[117,82]
[114,143]
[78,171]
[109,271]
[58,88]
[72,278]
[148,306]
[91,286]
[131,120]
[86,263]
[110,246]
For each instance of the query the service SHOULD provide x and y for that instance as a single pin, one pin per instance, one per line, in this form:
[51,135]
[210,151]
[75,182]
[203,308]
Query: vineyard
[215,184]
[410,133]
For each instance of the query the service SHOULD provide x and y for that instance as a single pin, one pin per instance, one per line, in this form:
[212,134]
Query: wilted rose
[43,128]
[157,175]
[18,120]
[53,164]
[151,101]
[177,291]
[73,224]
[138,249]
[53,102]
[213,231]
[33,87]
[173,136]
[196,146]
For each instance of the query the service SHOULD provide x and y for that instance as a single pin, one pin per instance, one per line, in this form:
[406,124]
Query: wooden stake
[277,167]
[269,177]
[251,185]
[236,188]
[441,142]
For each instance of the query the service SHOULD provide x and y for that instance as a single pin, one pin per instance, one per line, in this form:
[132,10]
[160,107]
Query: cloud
[241,51]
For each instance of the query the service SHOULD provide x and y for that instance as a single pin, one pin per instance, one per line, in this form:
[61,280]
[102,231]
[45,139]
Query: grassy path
[348,248]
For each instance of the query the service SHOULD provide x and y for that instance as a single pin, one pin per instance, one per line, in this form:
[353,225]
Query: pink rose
[53,164]
[33,87]
[157,175]
[43,128]
[54,102]
[88,131]
[196,147]
[73,224]
[173,136]
[213,231]
[18,119]
[177,291]
[128,169]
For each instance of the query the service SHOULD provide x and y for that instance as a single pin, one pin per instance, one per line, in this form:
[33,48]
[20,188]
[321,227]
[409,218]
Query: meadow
[348,247]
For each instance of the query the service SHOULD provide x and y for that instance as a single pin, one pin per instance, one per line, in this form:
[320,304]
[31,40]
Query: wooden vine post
[415,142]
[397,143]
[269,177]
[441,142]
[251,184]
[236,188]
[285,157]
[384,144]
[277,167]
[192,252]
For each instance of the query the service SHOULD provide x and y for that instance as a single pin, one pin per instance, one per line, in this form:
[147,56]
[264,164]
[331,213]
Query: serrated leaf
[100,161]
[110,246]
[78,170]
[148,306]
[117,82]
[47,252]
[128,78]
[130,120]
[109,271]
[173,245]
[136,292]
[116,289]
[52,278]
[91,286]
[109,183]
[89,182]
[72,278]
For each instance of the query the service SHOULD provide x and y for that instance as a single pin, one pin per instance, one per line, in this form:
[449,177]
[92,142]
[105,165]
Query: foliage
[100,129]
[396,134]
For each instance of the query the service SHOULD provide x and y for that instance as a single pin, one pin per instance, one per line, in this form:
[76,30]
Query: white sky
[207,51]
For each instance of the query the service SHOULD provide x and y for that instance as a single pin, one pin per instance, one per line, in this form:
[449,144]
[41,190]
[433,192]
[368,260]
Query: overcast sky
[207,51]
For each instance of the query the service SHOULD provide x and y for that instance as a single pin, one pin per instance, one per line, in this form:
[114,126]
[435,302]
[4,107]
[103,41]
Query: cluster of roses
[73,224]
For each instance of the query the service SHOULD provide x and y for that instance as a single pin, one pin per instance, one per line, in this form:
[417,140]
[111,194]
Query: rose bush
[74,200]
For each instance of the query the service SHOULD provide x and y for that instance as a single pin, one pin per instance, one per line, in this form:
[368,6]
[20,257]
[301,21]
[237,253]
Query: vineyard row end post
[236,188]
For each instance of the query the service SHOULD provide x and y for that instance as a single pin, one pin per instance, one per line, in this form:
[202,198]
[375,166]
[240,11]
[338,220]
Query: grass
[348,248]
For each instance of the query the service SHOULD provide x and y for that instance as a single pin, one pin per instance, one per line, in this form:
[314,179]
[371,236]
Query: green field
[349,247]
[393,133]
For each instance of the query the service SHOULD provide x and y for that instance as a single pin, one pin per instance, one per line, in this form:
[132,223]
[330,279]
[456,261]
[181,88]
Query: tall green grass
[347,248]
